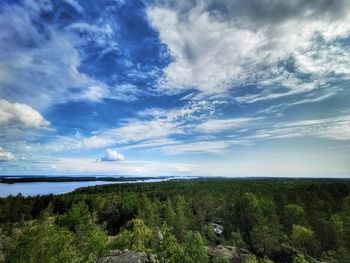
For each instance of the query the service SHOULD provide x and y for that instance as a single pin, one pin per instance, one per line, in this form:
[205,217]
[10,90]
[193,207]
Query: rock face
[127,257]
[233,254]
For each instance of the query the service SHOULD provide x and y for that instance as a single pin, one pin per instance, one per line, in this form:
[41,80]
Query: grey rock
[127,257]
[233,254]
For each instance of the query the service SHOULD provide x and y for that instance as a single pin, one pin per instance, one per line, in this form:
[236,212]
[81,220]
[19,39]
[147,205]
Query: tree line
[274,220]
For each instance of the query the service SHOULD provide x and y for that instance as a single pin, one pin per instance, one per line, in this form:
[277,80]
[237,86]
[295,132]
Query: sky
[183,88]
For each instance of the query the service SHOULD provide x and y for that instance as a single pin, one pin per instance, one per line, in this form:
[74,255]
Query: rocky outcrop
[127,257]
[231,253]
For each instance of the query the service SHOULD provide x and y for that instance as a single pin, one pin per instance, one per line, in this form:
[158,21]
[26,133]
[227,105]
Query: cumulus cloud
[5,155]
[20,116]
[112,156]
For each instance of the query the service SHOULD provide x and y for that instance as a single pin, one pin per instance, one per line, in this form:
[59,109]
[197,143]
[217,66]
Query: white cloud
[144,130]
[20,116]
[40,65]
[94,93]
[244,43]
[100,91]
[209,54]
[334,128]
[6,156]
[150,145]
[214,147]
[42,74]
[133,131]
[104,31]
[155,131]
[216,126]
[112,156]
[76,5]
[125,92]
[139,168]
[311,98]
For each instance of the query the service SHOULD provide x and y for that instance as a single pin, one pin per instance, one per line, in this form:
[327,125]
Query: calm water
[43,188]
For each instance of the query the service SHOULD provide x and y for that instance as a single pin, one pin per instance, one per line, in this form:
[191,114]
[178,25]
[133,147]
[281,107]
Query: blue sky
[212,88]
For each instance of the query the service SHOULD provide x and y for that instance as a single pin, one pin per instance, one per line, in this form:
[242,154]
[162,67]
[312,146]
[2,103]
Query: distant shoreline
[60,179]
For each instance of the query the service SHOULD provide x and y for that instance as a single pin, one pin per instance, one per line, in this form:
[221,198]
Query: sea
[45,188]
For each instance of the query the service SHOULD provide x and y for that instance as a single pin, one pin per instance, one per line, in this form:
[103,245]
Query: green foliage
[43,243]
[250,259]
[137,238]
[220,258]
[300,258]
[91,243]
[253,259]
[181,220]
[237,240]
[169,213]
[15,209]
[293,214]
[302,238]
[168,249]
[77,217]
[194,248]
[90,239]
[330,257]
[337,226]
[265,260]
[115,215]
[212,238]
[259,215]
[149,212]
[262,227]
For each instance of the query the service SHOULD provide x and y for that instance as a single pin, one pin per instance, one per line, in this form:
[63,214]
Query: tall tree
[194,248]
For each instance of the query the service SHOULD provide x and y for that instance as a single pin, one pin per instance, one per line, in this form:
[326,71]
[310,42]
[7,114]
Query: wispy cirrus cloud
[334,128]
[217,125]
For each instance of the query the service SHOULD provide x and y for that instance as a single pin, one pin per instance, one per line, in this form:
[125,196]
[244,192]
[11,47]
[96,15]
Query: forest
[262,220]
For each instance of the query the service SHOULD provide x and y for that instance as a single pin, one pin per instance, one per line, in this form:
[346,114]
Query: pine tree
[194,248]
